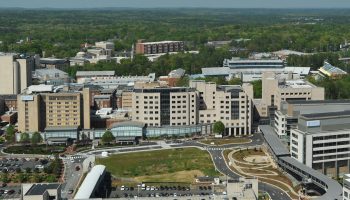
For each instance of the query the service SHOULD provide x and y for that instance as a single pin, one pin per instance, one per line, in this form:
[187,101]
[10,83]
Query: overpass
[333,190]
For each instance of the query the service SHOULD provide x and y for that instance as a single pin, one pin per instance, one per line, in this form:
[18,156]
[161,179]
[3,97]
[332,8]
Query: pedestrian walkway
[260,169]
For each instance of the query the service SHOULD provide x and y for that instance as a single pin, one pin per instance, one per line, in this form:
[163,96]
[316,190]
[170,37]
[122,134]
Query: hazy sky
[176,3]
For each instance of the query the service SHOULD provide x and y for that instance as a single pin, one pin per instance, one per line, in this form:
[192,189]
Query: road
[71,175]
[217,157]
[220,164]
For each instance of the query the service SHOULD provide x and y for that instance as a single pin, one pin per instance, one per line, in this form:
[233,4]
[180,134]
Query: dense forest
[61,33]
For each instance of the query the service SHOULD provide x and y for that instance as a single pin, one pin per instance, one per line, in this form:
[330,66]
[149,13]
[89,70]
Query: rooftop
[90,182]
[216,71]
[160,42]
[331,70]
[39,189]
[95,73]
[291,101]
[53,61]
[177,73]
[53,73]
[62,128]
[296,84]
[241,60]
[327,115]
[128,123]
[332,187]
[274,142]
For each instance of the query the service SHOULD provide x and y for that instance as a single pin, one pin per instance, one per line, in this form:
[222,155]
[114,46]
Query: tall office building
[276,89]
[165,106]
[159,47]
[16,73]
[231,104]
[322,141]
[45,107]
[287,117]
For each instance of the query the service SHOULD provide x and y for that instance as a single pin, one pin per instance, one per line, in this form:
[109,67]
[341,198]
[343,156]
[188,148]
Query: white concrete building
[231,104]
[346,187]
[322,142]
[287,117]
[16,73]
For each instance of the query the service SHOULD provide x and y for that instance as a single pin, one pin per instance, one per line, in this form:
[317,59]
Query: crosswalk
[215,148]
[74,157]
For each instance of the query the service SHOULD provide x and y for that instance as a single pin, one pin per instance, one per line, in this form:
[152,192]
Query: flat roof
[61,128]
[160,42]
[90,182]
[128,123]
[326,115]
[95,73]
[274,142]
[253,61]
[333,189]
[39,189]
[215,71]
[330,101]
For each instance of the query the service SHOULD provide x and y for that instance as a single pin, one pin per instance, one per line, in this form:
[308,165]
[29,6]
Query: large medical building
[16,73]
[201,103]
[275,90]
[287,117]
[322,141]
[231,104]
[48,108]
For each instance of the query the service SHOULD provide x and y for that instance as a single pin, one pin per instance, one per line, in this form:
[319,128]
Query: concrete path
[259,166]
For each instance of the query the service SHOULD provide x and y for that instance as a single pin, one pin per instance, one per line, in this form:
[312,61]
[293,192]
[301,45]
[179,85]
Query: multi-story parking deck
[332,188]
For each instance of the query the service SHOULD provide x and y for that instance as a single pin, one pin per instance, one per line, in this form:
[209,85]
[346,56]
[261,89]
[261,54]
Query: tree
[10,134]
[235,81]
[50,178]
[219,127]
[28,170]
[107,137]
[5,178]
[25,138]
[36,138]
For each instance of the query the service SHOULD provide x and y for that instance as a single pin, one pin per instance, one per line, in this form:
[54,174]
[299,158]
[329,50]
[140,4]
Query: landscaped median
[224,141]
[171,165]
[255,163]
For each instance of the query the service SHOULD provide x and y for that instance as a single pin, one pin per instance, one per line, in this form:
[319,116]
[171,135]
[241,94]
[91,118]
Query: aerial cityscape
[174,100]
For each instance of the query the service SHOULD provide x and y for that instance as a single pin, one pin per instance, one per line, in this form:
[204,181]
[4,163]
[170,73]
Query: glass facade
[127,131]
[173,130]
[62,133]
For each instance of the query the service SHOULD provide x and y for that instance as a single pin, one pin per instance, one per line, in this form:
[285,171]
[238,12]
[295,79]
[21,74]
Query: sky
[175,3]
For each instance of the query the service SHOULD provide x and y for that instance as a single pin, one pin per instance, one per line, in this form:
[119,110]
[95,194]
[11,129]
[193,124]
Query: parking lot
[162,191]
[10,192]
[16,164]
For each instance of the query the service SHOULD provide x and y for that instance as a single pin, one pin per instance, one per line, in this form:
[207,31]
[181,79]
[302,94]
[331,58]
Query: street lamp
[138,190]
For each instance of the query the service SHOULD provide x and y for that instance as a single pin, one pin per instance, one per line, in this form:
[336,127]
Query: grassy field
[171,165]
[39,149]
[224,141]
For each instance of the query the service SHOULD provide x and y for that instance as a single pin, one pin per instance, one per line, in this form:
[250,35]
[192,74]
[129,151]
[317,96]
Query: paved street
[216,154]
[71,175]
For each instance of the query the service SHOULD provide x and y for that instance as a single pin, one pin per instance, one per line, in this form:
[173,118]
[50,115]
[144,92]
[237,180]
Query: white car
[122,188]
[39,167]
[148,188]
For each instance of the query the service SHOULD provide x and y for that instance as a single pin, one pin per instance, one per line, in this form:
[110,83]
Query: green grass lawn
[223,141]
[38,149]
[161,164]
